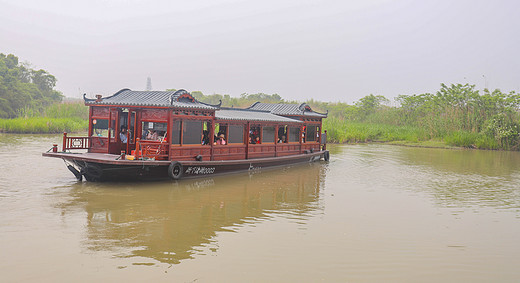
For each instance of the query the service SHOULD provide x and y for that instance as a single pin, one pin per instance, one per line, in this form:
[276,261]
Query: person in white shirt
[122,135]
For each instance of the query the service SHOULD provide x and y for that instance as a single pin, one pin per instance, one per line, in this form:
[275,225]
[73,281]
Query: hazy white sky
[301,49]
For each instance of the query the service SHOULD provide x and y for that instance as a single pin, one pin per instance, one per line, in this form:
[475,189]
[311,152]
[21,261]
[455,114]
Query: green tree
[22,88]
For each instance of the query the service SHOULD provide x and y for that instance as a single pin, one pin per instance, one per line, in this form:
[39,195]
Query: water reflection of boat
[168,222]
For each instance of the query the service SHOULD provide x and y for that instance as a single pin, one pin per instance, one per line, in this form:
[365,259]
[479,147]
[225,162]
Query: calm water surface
[374,213]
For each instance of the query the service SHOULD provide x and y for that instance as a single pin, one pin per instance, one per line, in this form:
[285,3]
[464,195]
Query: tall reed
[42,125]
[56,118]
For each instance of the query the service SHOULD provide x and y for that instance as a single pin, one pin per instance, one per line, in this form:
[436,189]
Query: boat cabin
[173,125]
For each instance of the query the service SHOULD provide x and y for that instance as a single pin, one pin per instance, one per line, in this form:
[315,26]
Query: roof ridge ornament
[305,107]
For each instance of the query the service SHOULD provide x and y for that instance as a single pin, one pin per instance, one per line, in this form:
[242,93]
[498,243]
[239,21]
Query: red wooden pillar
[301,138]
[170,135]
[90,111]
[248,128]
[137,148]
[276,140]
[64,142]
[212,137]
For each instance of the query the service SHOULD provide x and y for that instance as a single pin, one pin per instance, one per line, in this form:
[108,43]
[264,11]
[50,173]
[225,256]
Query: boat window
[294,134]
[100,128]
[310,133]
[154,131]
[268,135]
[221,134]
[254,134]
[205,133]
[236,134]
[282,134]
[123,121]
[192,132]
[176,132]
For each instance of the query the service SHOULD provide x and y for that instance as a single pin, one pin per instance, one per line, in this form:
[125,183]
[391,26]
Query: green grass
[67,110]
[42,125]
[56,118]
[341,131]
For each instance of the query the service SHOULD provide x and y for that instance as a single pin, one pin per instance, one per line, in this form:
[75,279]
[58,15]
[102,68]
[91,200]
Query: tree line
[24,90]
[457,114]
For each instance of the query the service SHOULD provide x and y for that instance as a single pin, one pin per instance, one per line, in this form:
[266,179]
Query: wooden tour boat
[143,135]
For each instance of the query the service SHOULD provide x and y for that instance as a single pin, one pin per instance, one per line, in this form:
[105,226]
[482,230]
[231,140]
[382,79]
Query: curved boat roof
[251,115]
[182,99]
[286,109]
[126,97]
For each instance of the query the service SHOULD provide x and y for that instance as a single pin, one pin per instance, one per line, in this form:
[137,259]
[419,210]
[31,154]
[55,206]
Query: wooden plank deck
[106,158]
[103,158]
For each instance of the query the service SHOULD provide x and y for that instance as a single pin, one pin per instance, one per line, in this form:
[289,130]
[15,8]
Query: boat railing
[75,142]
[157,150]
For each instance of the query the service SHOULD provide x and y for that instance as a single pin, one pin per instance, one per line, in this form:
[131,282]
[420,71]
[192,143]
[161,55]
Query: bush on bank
[459,115]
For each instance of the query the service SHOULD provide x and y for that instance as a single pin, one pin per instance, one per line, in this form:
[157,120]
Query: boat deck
[102,158]
[106,158]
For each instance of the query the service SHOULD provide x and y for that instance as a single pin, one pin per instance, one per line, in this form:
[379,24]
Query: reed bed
[56,118]
[42,125]
[343,131]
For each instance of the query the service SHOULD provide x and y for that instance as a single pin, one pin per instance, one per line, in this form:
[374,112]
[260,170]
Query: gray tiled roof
[287,109]
[149,98]
[250,115]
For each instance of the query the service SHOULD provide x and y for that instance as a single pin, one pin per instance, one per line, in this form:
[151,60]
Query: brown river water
[374,213]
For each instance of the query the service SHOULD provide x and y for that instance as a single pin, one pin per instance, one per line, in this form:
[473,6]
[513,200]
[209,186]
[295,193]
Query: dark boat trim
[107,167]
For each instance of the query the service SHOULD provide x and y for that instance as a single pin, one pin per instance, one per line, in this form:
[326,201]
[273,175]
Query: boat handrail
[75,142]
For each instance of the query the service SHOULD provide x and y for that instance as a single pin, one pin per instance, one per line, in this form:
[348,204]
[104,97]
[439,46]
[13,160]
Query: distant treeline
[458,115]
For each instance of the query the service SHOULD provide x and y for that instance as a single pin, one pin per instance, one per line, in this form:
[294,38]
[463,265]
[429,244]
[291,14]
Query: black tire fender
[175,170]
[326,155]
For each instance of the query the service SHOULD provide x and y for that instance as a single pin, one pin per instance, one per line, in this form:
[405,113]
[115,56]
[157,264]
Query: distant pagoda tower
[149,84]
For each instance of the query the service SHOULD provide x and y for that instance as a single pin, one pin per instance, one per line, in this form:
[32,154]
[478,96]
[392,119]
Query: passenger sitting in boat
[221,139]
[122,134]
[254,140]
[281,139]
[152,135]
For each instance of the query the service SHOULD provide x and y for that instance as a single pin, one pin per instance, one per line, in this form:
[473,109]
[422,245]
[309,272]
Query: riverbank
[42,125]
[341,131]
